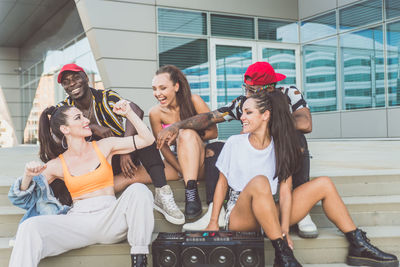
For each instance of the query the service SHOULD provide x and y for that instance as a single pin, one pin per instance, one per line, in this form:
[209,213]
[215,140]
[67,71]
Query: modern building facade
[342,54]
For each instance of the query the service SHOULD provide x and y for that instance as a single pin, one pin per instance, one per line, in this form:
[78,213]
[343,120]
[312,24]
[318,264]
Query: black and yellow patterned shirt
[103,103]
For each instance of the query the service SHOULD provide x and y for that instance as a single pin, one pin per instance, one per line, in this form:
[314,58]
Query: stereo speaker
[203,248]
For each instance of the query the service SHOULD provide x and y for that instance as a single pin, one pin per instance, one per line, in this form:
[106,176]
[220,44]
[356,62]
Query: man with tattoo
[259,76]
[141,165]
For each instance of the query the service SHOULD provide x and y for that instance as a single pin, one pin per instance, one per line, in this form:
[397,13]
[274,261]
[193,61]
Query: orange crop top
[97,179]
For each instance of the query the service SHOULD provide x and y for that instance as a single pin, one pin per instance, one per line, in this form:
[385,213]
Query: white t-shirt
[240,162]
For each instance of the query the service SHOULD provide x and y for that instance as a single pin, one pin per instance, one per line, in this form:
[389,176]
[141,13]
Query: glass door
[229,61]
[285,59]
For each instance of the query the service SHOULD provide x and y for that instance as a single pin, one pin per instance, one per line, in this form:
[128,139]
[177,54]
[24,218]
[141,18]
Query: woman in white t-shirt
[258,165]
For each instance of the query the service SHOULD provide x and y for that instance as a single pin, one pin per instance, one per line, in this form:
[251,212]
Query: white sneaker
[307,228]
[164,202]
[202,223]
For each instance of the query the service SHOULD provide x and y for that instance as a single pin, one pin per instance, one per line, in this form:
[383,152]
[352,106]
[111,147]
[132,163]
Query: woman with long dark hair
[258,165]
[96,215]
[176,103]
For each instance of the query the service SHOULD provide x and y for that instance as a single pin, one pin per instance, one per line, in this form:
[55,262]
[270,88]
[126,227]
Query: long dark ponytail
[50,135]
[184,95]
[281,127]
[50,148]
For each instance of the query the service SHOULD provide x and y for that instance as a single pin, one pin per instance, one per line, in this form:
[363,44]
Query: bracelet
[134,143]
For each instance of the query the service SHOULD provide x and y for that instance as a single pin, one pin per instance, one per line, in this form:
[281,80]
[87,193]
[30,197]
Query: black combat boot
[139,260]
[283,254]
[192,203]
[362,253]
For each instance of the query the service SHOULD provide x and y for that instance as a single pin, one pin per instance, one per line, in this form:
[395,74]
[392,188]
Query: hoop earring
[62,143]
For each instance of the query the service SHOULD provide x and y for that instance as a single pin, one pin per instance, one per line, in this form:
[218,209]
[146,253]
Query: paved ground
[336,158]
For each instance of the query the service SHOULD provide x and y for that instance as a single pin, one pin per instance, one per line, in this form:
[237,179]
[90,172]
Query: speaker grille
[249,258]
[168,258]
[222,256]
[193,256]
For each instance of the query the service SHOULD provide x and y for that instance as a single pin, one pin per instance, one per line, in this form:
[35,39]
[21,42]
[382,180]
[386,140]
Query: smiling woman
[176,103]
[96,215]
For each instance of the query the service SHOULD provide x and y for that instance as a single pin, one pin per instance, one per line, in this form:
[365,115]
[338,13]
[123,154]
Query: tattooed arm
[197,122]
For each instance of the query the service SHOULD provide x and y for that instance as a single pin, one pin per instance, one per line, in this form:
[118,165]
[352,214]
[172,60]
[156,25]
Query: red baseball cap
[68,67]
[262,73]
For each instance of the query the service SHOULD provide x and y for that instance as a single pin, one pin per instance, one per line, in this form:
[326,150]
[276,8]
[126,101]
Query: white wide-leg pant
[102,219]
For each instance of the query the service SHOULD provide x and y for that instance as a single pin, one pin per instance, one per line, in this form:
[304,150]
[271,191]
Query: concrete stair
[373,200]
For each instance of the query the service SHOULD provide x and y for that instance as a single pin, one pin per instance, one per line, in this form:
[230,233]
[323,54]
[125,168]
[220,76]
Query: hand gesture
[34,168]
[101,131]
[127,166]
[122,107]
[168,135]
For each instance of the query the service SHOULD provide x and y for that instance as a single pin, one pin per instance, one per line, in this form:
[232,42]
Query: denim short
[233,197]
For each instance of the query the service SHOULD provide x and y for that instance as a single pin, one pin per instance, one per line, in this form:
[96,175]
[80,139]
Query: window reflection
[318,27]
[319,62]
[393,63]
[190,55]
[180,21]
[360,14]
[363,69]
[278,31]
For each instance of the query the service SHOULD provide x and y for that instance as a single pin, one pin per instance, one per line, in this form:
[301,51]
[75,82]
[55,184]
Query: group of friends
[94,145]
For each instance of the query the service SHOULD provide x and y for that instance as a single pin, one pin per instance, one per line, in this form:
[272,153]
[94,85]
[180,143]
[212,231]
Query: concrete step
[365,211]
[329,248]
[367,185]
[371,185]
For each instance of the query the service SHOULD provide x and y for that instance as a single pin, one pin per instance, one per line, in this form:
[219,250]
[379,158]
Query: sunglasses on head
[253,90]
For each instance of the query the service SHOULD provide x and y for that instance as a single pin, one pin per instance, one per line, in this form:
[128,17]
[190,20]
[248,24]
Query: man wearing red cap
[97,106]
[258,76]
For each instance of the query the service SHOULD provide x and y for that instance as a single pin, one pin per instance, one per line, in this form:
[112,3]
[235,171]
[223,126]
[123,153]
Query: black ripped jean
[151,160]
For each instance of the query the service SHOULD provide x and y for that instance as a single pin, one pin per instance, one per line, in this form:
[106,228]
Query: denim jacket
[38,199]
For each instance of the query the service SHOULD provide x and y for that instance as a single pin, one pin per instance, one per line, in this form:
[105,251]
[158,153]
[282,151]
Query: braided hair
[281,127]
[50,138]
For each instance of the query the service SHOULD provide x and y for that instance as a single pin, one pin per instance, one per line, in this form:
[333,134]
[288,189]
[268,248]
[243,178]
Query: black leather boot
[139,260]
[363,253]
[283,254]
[192,203]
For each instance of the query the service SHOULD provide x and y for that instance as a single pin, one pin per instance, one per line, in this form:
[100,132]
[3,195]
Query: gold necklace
[89,113]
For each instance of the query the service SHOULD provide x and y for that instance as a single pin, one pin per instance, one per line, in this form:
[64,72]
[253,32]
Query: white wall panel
[364,123]
[127,73]
[309,8]
[325,125]
[123,44]
[394,122]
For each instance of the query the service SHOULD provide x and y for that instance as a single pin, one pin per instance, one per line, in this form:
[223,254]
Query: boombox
[202,248]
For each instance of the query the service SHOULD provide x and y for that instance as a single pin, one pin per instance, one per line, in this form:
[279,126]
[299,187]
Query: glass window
[283,31]
[283,61]
[318,27]
[232,26]
[190,55]
[392,8]
[320,86]
[180,21]
[360,14]
[363,69]
[393,63]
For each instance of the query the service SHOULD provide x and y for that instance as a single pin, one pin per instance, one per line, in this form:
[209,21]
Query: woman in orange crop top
[96,215]
[176,103]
